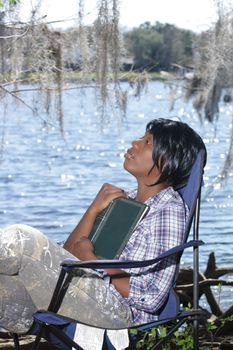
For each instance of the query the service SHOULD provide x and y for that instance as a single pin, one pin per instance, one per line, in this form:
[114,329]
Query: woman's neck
[145,192]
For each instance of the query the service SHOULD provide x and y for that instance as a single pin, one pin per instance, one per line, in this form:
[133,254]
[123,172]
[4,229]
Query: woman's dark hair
[175,147]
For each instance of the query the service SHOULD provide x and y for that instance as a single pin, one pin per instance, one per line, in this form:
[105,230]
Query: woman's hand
[78,239]
[105,195]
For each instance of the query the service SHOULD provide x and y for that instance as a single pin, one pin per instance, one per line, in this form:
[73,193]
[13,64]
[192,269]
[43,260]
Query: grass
[26,77]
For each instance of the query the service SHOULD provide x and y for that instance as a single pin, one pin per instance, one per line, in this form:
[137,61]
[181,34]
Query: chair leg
[16,341]
[107,345]
[195,334]
[37,341]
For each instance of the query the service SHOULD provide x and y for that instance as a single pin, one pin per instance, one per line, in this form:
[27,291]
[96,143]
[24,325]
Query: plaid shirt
[161,229]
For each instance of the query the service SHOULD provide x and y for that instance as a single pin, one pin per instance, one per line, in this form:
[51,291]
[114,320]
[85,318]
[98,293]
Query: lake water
[47,180]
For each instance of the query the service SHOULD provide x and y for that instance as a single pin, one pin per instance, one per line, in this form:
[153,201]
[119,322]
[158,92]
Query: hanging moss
[214,74]
[35,49]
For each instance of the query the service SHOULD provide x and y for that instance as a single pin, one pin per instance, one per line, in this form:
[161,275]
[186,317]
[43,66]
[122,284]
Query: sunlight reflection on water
[48,180]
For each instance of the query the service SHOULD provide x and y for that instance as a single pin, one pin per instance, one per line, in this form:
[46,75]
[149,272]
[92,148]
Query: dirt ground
[7,343]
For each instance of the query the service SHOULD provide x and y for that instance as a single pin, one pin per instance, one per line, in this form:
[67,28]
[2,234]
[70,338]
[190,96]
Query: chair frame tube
[196,272]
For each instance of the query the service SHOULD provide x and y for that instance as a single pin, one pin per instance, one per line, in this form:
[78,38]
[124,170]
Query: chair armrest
[72,264]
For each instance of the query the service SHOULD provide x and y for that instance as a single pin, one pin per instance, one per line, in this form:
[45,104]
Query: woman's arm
[80,246]
[120,280]
[106,194]
[82,230]
[84,250]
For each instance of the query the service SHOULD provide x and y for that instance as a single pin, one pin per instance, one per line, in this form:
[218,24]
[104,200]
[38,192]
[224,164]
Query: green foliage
[10,2]
[146,339]
[156,47]
[188,307]
[212,326]
[145,45]
[182,339]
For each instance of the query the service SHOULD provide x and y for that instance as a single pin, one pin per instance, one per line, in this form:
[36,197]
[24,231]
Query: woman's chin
[128,168]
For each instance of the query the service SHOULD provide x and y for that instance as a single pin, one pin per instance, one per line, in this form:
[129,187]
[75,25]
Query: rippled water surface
[47,180]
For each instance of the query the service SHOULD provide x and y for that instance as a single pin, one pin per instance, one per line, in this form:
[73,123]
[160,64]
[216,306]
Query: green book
[114,226]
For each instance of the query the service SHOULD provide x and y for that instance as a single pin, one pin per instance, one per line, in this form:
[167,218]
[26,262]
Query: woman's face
[138,159]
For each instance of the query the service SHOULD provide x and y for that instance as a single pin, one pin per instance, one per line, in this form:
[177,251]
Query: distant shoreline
[88,78]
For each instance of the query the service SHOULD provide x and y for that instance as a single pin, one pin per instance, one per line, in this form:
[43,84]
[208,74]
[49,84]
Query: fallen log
[212,271]
[222,321]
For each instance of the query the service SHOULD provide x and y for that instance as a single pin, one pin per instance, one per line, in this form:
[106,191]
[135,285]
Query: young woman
[160,161]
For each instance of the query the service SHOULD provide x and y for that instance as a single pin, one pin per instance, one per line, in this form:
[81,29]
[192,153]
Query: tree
[157,47]
[145,43]
[213,74]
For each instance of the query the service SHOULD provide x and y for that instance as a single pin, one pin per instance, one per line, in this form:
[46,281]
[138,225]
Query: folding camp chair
[59,330]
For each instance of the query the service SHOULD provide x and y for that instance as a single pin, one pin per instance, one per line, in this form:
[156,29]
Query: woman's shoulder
[165,201]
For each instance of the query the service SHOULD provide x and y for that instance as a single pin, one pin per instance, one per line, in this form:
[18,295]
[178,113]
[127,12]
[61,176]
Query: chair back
[191,191]
[190,194]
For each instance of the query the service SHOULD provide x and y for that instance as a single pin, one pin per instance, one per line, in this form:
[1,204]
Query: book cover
[114,225]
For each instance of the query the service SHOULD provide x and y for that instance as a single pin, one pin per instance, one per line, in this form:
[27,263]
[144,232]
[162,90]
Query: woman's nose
[135,143]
